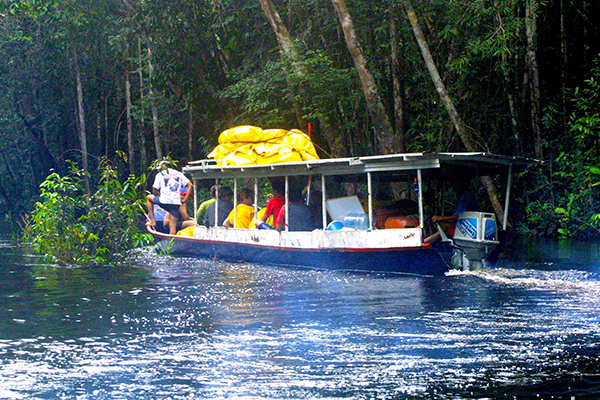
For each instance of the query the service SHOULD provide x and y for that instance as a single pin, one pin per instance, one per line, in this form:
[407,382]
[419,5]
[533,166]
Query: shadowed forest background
[85,79]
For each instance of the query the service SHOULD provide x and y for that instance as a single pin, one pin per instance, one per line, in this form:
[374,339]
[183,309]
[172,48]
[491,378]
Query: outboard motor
[475,238]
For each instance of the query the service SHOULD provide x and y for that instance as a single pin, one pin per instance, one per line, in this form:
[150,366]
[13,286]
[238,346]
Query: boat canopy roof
[481,163]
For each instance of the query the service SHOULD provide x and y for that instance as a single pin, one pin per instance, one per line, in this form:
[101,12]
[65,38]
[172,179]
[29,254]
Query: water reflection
[185,328]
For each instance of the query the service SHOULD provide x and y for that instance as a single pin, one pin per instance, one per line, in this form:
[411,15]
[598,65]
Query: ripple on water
[183,328]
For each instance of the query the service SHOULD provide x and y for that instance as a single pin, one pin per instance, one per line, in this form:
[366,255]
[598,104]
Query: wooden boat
[401,250]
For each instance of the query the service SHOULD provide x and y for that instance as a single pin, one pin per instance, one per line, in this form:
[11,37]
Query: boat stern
[475,239]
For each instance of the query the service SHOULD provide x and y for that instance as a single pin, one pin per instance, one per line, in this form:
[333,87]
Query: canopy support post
[308,189]
[234,202]
[287,208]
[195,189]
[255,201]
[217,202]
[370,199]
[506,200]
[324,201]
[420,186]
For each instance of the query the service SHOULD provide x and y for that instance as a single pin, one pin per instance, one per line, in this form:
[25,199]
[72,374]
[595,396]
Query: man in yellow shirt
[244,211]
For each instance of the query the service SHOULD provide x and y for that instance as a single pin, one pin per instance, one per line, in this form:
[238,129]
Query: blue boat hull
[431,261]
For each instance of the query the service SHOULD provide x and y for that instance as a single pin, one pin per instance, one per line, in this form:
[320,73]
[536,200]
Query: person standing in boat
[224,206]
[166,193]
[244,211]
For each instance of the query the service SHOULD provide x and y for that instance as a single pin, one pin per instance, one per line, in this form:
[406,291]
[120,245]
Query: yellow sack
[247,144]
[189,231]
[261,214]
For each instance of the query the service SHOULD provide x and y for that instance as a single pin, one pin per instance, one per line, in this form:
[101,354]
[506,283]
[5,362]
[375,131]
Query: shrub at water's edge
[72,227]
[564,196]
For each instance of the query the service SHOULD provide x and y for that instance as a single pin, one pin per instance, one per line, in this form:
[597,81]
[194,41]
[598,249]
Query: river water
[181,328]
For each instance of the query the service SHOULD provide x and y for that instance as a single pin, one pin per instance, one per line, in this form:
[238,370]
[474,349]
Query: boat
[334,247]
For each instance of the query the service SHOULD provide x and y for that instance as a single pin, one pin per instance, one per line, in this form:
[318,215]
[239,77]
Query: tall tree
[449,104]
[154,109]
[397,83]
[288,50]
[128,106]
[81,128]
[531,9]
[290,54]
[436,78]
[388,142]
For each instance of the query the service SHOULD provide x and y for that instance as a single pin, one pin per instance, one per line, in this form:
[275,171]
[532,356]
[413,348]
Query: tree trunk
[511,105]
[143,148]
[534,79]
[510,89]
[336,142]
[45,156]
[130,155]
[435,77]
[397,85]
[288,49]
[565,62]
[81,121]
[454,116]
[381,123]
[155,128]
[190,129]
[106,135]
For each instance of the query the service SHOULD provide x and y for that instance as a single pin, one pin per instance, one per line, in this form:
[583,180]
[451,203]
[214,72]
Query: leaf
[560,210]
[564,231]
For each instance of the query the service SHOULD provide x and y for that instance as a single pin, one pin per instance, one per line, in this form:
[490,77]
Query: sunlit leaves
[71,227]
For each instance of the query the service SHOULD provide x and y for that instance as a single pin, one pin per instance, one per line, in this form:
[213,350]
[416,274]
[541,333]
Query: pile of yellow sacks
[244,145]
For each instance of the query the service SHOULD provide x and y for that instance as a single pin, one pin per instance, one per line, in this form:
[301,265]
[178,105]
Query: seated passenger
[201,212]
[181,224]
[244,211]
[268,224]
[224,208]
[466,202]
[314,201]
[274,205]
[300,218]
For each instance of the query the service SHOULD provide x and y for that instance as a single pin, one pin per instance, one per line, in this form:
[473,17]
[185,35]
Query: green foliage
[567,203]
[215,64]
[262,97]
[71,227]
[585,124]
[568,206]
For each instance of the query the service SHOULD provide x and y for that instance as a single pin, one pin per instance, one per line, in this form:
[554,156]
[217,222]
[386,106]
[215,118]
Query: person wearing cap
[166,193]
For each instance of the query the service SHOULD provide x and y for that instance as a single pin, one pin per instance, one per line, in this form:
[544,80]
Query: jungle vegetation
[83,80]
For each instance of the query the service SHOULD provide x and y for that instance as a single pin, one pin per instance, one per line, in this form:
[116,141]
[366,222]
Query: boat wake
[567,281]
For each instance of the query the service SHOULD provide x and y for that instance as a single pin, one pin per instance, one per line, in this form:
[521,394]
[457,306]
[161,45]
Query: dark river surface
[182,328]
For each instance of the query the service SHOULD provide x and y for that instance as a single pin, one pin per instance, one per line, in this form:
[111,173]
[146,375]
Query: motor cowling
[476,237]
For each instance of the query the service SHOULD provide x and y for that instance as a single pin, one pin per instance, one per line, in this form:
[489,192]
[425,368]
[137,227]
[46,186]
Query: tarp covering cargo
[245,145]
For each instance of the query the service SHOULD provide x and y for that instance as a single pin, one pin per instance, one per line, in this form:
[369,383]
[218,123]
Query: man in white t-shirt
[166,194]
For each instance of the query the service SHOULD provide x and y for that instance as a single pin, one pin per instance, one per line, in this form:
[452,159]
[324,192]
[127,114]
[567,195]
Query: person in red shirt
[274,205]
